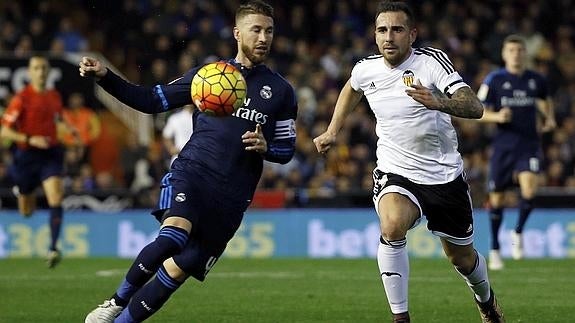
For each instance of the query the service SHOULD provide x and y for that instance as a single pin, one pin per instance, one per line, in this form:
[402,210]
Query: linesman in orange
[32,123]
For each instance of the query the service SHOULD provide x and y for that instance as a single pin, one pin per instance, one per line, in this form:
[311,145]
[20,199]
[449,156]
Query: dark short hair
[396,6]
[515,39]
[254,7]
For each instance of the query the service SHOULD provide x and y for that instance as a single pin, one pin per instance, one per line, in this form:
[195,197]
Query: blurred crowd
[315,46]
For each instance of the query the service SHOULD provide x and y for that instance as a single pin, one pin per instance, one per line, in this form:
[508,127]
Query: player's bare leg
[496,200]
[54,190]
[472,267]
[26,204]
[528,186]
[397,214]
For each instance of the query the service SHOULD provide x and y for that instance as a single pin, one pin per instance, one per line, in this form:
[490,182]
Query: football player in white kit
[413,92]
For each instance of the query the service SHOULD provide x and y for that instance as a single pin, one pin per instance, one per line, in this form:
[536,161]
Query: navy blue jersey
[520,94]
[216,145]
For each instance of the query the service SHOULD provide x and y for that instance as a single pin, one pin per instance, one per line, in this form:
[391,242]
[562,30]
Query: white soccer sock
[478,280]
[393,265]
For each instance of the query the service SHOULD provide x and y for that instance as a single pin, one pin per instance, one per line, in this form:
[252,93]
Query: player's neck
[38,87]
[515,70]
[244,61]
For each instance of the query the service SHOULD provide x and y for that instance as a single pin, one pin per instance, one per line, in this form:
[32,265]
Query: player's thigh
[54,189]
[528,184]
[396,204]
[496,199]
[397,214]
[501,167]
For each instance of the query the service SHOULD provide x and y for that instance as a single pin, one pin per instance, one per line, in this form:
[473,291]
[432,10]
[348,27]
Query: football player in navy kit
[212,182]
[514,97]
[419,170]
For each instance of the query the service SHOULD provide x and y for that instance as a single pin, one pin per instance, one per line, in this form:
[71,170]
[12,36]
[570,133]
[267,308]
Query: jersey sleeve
[354,79]
[282,146]
[12,113]
[155,99]
[485,93]
[444,76]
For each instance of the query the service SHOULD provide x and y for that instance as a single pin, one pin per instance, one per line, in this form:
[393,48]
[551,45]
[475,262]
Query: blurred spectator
[86,123]
[72,39]
[177,131]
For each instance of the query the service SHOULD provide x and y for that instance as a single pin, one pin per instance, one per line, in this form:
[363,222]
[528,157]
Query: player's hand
[324,142]
[255,140]
[39,142]
[92,67]
[504,115]
[423,95]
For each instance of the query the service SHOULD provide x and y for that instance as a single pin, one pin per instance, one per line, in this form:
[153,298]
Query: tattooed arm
[463,103]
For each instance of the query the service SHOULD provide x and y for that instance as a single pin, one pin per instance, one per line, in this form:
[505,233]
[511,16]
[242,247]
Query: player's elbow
[480,112]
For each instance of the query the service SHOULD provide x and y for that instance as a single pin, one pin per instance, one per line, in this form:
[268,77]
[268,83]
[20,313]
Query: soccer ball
[220,88]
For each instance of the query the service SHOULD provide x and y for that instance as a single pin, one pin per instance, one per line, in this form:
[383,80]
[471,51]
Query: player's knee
[171,240]
[396,244]
[174,271]
[26,213]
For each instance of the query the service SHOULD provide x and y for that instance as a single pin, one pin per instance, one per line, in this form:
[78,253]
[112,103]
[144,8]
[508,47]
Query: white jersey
[179,128]
[415,142]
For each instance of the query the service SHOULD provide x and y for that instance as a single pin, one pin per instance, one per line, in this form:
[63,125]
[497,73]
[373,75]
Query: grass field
[289,290]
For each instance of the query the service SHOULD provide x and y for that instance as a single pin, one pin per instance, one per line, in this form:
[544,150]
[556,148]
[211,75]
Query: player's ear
[236,33]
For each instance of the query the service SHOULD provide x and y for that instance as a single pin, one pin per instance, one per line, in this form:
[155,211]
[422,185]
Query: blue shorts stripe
[165,192]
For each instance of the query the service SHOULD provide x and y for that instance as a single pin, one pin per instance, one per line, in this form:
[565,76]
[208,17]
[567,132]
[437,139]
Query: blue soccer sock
[169,242]
[525,208]
[496,217]
[150,298]
[55,225]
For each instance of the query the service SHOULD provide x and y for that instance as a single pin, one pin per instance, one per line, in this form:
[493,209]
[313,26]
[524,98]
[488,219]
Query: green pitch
[289,290]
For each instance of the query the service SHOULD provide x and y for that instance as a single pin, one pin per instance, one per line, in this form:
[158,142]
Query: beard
[249,53]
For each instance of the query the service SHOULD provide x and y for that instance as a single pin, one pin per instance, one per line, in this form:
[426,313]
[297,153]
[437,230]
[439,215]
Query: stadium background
[315,46]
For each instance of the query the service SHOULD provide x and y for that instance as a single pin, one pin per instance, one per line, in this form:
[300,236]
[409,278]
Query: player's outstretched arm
[142,98]
[347,100]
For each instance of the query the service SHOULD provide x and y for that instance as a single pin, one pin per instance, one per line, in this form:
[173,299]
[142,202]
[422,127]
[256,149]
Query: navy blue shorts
[505,164]
[32,166]
[214,216]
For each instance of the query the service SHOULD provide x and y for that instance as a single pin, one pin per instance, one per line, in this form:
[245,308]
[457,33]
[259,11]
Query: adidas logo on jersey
[372,86]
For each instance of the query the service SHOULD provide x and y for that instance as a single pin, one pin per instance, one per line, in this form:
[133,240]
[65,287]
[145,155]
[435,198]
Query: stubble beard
[255,59]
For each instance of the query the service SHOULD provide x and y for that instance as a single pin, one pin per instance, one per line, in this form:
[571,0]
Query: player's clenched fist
[92,67]
[324,141]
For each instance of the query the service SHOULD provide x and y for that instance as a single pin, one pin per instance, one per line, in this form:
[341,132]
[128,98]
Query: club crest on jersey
[266,92]
[180,197]
[408,78]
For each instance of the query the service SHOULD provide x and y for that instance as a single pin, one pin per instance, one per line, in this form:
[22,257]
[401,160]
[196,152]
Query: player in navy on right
[212,182]
[514,97]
